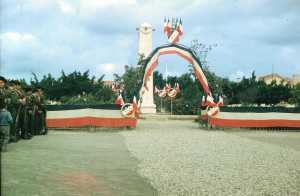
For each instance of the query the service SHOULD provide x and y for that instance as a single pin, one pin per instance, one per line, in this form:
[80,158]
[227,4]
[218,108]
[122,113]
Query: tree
[131,81]
[295,95]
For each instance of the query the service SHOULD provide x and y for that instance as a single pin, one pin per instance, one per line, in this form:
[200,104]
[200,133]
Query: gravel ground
[179,158]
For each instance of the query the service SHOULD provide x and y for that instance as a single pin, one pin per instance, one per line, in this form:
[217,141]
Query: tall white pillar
[145,48]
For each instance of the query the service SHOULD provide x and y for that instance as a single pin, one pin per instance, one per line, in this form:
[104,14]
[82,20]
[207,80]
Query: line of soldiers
[27,109]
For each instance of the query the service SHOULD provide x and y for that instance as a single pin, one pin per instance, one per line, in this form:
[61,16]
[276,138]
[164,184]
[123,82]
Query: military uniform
[29,121]
[5,116]
[4,92]
[40,114]
[13,108]
[17,109]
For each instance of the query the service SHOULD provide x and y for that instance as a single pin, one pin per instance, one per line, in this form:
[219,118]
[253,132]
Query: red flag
[113,87]
[165,26]
[221,101]
[177,87]
[203,102]
[135,108]
[210,101]
[156,90]
[174,37]
[168,87]
[169,28]
[179,28]
[213,111]
[119,100]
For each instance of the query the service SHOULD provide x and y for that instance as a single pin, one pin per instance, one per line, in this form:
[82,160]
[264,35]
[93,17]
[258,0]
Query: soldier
[9,104]
[23,116]
[5,121]
[29,121]
[41,112]
[16,107]
[4,93]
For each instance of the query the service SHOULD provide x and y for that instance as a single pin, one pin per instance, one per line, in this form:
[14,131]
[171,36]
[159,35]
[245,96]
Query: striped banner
[183,52]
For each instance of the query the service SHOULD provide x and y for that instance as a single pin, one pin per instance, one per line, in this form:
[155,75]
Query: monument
[145,48]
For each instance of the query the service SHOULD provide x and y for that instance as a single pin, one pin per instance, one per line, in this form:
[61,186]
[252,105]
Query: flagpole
[160,105]
[166,73]
[171,106]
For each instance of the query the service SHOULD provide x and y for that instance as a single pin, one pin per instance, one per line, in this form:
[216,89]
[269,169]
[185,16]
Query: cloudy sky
[47,36]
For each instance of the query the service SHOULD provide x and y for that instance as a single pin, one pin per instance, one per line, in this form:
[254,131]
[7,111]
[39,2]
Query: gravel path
[180,159]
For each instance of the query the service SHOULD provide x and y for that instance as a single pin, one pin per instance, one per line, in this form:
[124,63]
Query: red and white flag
[172,93]
[119,100]
[113,87]
[210,101]
[174,38]
[135,108]
[177,32]
[221,101]
[180,29]
[168,87]
[177,87]
[213,111]
[169,28]
[203,102]
[156,91]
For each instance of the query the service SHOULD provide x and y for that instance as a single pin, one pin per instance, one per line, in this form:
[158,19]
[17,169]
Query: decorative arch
[151,63]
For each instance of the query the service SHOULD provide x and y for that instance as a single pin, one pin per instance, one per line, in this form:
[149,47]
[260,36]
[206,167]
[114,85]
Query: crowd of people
[22,112]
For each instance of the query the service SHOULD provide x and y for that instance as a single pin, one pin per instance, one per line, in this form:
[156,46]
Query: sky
[48,36]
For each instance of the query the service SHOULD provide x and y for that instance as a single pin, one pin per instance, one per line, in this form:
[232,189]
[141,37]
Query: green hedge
[74,107]
[260,109]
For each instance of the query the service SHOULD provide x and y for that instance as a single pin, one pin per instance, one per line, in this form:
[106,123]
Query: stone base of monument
[148,109]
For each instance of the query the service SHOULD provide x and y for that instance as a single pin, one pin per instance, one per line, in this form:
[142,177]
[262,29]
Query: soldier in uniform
[5,121]
[4,93]
[29,121]
[16,107]
[41,113]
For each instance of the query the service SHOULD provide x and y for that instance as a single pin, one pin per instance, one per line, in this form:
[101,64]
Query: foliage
[74,88]
[81,88]
[131,81]
[295,95]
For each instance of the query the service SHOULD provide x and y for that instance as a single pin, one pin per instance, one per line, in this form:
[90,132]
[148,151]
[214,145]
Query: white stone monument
[145,48]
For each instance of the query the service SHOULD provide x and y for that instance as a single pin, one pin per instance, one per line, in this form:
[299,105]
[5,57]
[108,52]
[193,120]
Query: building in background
[279,79]
[108,83]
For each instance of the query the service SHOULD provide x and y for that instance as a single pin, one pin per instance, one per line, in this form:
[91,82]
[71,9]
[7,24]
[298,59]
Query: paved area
[180,159]
[72,164]
[160,157]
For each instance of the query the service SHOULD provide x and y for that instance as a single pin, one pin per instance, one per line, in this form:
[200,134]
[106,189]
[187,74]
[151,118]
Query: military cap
[3,79]
[39,87]
[27,89]
[35,90]
[15,82]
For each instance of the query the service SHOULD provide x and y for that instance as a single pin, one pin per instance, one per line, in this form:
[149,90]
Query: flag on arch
[210,101]
[119,101]
[177,32]
[167,27]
